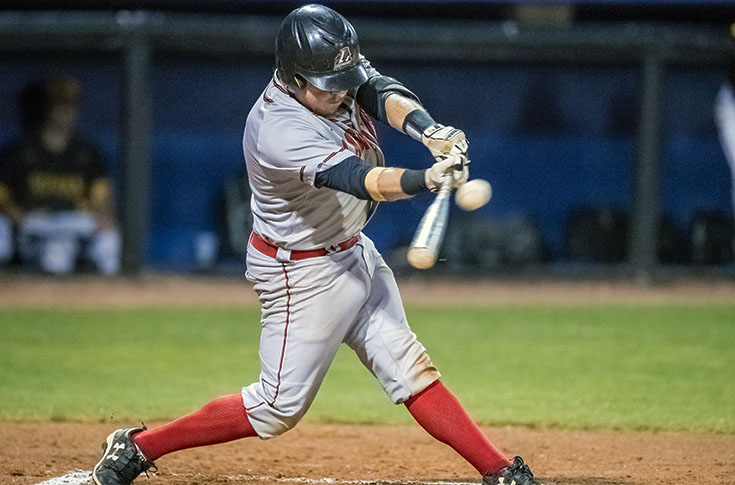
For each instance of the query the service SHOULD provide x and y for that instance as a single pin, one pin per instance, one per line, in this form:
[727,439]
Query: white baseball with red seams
[311,306]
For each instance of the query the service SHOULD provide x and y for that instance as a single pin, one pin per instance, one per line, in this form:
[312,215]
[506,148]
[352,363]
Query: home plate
[77,477]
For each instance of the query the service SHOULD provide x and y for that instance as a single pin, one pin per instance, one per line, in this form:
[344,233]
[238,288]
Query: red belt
[270,249]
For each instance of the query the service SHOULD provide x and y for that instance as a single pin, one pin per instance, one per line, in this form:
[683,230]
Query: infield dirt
[31,453]
[24,290]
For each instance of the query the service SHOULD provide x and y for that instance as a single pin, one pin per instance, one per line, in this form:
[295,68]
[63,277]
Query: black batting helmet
[321,46]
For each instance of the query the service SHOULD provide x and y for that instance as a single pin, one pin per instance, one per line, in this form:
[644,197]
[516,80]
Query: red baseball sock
[222,420]
[439,413]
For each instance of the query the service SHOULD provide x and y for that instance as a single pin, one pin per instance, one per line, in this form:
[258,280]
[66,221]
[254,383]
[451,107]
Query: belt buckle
[283,255]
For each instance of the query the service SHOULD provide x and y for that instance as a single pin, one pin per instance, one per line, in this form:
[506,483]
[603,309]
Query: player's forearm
[389,184]
[8,205]
[101,203]
[408,116]
[354,177]
[397,108]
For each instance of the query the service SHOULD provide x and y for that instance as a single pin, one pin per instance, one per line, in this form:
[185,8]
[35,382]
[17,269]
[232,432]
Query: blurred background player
[317,174]
[53,187]
[725,119]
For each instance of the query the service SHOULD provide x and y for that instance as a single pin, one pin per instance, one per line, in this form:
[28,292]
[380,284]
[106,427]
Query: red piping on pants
[256,406]
[285,333]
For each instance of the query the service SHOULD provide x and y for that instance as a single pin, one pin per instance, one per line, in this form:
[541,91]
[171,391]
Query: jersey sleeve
[372,94]
[300,151]
[347,176]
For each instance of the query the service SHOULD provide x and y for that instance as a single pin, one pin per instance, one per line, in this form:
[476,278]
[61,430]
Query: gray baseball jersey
[285,145]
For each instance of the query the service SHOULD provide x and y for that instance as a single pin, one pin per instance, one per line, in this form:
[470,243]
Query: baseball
[473,194]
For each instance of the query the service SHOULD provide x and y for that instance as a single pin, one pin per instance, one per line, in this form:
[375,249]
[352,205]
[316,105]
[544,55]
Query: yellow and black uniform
[34,179]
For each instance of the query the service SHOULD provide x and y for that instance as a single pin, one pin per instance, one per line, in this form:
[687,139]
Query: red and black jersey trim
[280,88]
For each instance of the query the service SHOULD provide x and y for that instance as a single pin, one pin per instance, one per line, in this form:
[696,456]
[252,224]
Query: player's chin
[329,109]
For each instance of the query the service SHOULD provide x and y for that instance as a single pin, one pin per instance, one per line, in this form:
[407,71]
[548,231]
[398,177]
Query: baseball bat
[429,234]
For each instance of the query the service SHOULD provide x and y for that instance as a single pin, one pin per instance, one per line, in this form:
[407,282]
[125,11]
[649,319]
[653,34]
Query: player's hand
[444,140]
[447,167]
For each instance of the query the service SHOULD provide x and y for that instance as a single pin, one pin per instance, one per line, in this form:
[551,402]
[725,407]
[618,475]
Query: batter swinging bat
[430,232]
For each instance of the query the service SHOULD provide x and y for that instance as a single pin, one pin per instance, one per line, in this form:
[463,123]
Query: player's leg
[385,344]
[308,307]
[42,245]
[104,251]
[52,241]
[439,412]
[129,452]
[220,421]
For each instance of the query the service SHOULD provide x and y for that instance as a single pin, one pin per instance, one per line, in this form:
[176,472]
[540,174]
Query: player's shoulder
[281,119]
[275,103]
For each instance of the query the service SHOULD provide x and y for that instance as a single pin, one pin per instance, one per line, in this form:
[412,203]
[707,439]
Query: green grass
[614,367]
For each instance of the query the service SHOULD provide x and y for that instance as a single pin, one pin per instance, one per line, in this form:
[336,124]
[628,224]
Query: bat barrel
[429,234]
[421,258]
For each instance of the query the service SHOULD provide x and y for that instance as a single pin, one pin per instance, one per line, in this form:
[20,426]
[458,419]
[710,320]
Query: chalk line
[334,481]
[81,477]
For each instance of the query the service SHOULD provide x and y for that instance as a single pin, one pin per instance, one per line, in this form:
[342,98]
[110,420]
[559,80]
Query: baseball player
[725,121]
[317,174]
[54,189]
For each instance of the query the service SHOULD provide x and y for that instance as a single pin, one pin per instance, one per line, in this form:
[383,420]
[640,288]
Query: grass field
[656,367]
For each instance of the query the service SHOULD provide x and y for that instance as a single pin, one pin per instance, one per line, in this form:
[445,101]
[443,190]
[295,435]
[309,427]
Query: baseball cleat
[121,460]
[517,473]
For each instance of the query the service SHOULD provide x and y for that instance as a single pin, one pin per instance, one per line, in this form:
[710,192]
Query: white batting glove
[444,140]
[446,167]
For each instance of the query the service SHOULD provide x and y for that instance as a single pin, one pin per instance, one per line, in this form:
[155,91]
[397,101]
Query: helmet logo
[343,58]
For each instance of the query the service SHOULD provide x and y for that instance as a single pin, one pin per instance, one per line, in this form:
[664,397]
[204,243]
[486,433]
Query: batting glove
[444,140]
[446,166]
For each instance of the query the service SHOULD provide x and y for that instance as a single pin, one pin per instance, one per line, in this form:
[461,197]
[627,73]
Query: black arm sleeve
[373,93]
[347,176]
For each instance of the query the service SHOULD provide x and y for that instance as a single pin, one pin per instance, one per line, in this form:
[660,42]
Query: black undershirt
[349,176]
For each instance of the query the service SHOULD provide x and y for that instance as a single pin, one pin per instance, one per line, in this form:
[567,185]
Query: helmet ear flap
[299,82]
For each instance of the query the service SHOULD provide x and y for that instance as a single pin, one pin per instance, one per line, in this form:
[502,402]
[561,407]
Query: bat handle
[446,186]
